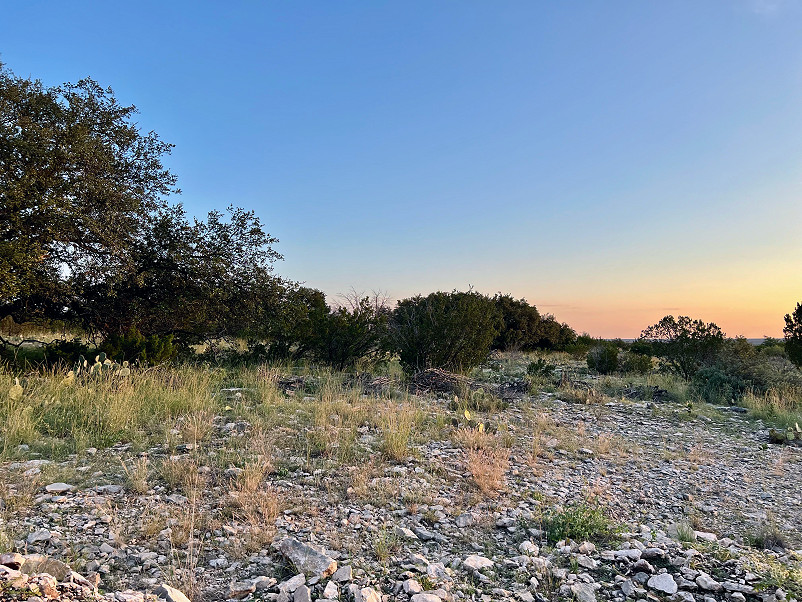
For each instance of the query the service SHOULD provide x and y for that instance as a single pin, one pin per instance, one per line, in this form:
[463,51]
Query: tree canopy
[88,233]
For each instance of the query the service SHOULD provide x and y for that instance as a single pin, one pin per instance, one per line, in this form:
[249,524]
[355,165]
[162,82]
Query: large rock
[170,594]
[584,592]
[663,582]
[307,558]
[477,563]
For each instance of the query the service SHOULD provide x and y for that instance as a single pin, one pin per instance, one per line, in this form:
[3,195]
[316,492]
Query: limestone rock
[308,559]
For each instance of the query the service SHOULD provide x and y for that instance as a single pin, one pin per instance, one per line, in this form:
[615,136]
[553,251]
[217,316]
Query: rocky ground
[563,493]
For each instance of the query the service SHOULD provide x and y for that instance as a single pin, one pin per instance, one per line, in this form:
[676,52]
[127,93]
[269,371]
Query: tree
[77,180]
[793,335]
[685,344]
[88,235]
[453,331]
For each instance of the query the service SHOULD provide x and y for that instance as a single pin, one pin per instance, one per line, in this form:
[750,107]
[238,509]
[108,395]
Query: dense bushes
[740,367]
[346,336]
[133,346]
[524,329]
[603,358]
[453,330]
[685,345]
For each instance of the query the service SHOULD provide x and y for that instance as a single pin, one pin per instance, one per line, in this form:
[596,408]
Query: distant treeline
[93,244]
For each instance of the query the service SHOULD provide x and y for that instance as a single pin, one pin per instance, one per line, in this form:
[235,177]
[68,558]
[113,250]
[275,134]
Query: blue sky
[611,162]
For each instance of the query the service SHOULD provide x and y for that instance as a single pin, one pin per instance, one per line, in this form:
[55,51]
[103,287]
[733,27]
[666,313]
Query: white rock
[663,582]
[477,563]
[307,558]
[706,582]
[584,592]
[425,598]
[170,594]
[412,587]
[59,488]
[331,590]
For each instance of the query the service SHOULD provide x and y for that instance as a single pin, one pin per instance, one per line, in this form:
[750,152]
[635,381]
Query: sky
[610,162]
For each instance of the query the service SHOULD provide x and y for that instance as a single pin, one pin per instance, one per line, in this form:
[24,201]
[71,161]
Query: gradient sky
[611,162]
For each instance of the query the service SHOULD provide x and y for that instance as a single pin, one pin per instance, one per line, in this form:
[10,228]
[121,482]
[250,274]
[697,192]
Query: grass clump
[397,425]
[579,521]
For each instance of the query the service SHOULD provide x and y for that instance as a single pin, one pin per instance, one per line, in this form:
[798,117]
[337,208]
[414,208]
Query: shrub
[520,325]
[67,352]
[540,368]
[741,368]
[603,358]
[133,346]
[715,385]
[581,345]
[685,344]
[636,362]
[452,331]
[793,335]
[578,521]
[343,337]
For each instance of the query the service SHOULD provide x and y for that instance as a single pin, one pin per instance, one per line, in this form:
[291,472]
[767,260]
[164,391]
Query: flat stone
[706,582]
[293,583]
[343,574]
[302,594]
[59,488]
[12,560]
[241,589]
[412,587]
[584,592]
[331,590]
[663,582]
[308,559]
[464,520]
[477,563]
[40,535]
[425,598]
[367,594]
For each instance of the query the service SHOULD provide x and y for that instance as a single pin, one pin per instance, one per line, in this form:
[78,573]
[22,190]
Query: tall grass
[779,406]
[98,412]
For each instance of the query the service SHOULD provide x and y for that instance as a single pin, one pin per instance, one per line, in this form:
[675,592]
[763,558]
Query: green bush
[793,335]
[133,346]
[636,363]
[452,331]
[603,358]
[579,521]
[66,352]
[715,385]
[540,368]
[685,345]
[344,337]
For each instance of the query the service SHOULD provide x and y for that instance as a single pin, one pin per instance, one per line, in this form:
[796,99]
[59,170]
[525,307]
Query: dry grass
[397,425]
[138,476]
[473,438]
[488,467]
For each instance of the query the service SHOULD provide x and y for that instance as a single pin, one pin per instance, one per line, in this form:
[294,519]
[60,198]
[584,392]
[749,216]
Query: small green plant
[685,532]
[540,368]
[578,521]
[385,544]
[767,537]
